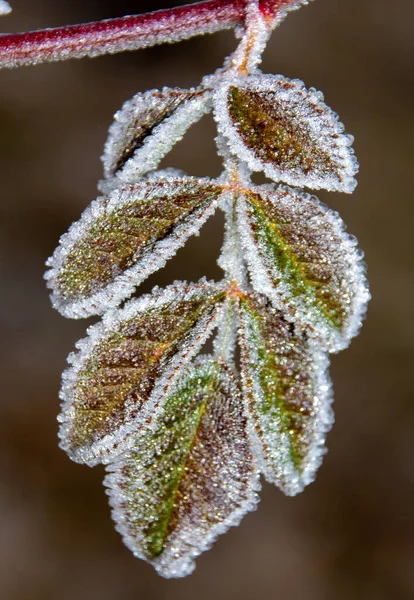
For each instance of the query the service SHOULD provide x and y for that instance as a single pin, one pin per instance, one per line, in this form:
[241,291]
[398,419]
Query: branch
[131,32]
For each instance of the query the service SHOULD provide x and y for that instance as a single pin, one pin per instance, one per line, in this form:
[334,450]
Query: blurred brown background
[349,536]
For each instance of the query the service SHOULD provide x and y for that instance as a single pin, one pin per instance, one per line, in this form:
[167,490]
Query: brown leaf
[278,126]
[119,241]
[127,363]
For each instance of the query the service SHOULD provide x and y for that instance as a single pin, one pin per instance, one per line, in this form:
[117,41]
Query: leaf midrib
[274,238]
[179,477]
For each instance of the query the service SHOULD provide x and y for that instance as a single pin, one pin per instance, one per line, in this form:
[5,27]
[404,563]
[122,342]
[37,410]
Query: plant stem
[131,32]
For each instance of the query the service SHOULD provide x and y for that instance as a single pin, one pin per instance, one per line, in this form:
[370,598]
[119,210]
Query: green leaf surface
[192,477]
[301,257]
[287,394]
[124,368]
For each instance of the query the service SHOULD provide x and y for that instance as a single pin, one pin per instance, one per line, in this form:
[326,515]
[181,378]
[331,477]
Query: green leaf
[278,126]
[287,394]
[127,363]
[301,257]
[119,241]
[191,478]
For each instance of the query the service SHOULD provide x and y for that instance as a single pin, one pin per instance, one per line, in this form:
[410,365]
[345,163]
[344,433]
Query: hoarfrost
[185,439]
[276,125]
[301,257]
[248,54]
[146,129]
[192,478]
[126,365]
[287,394]
[120,240]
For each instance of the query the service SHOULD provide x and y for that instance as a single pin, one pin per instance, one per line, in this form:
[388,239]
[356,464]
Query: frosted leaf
[127,363]
[5,8]
[191,478]
[122,239]
[147,127]
[278,126]
[288,395]
[301,257]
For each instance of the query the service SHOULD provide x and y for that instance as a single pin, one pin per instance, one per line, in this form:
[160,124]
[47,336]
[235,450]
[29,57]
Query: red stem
[129,33]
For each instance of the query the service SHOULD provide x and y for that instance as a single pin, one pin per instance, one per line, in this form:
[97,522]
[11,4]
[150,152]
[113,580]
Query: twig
[129,33]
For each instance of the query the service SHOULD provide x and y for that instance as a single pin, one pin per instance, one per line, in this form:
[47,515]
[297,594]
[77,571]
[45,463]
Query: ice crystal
[123,238]
[5,8]
[287,394]
[124,367]
[146,128]
[278,126]
[186,437]
[300,256]
[189,480]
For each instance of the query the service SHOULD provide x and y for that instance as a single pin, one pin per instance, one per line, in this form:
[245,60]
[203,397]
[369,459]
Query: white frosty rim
[104,450]
[283,468]
[340,151]
[153,259]
[281,295]
[167,565]
[162,139]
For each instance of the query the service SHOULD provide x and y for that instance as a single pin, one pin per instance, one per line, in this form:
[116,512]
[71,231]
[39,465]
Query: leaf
[5,8]
[288,395]
[192,478]
[278,126]
[120,240]
[147,127]
[126,365]
[301,257]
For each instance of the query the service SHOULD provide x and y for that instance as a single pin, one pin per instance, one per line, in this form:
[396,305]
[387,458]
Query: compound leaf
[125,366]
[287,394]
[301,257]
[120,240]
[191,478]
[278,126]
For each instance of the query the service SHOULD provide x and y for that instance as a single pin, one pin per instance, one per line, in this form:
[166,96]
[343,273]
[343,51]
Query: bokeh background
[350,535]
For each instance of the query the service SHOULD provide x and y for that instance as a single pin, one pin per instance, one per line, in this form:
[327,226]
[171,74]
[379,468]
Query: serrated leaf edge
[157,145]
[125,284]
[343,153]
[282,298]
[295,481]
[110,446]
[187,564]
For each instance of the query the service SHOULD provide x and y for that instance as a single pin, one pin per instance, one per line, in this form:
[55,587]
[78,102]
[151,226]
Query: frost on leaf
[288,395]
[125,366]
[147,127]
[190,479]
[120,240]
[278,126]
[5,8]
[301,257]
